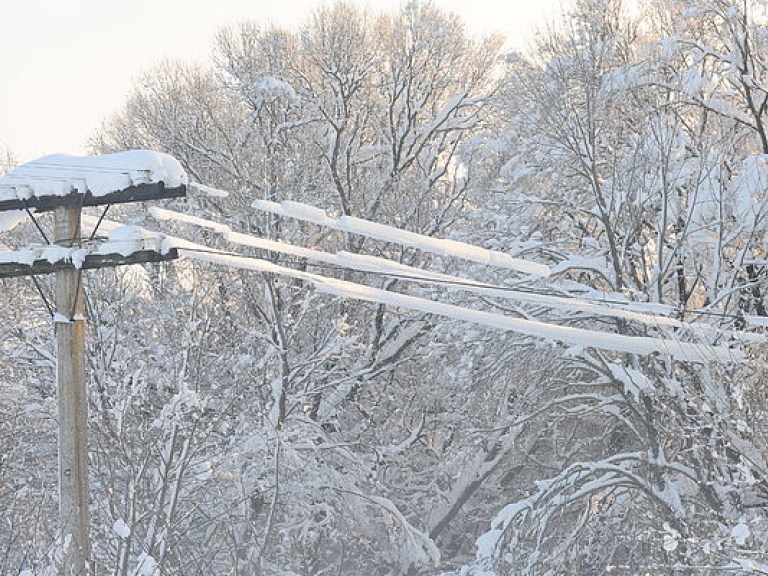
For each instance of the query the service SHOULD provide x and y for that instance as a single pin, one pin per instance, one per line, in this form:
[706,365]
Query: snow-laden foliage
[635,156]
[246,423]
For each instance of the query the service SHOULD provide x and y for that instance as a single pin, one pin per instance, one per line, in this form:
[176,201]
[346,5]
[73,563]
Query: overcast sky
[65,65]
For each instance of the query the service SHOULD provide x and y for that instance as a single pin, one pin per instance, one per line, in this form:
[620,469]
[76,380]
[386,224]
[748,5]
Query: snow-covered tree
[243,422]
[317,425]
[624,178]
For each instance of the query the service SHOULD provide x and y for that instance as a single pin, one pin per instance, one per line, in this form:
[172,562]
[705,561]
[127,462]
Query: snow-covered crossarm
[126,245]
[684,351]
[59,180]
[376,231]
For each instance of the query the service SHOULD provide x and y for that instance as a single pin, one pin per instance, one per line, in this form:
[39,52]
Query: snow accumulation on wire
[60,175]
[377,265]
[376,231]
[344,259]
[684,351]
[636,312]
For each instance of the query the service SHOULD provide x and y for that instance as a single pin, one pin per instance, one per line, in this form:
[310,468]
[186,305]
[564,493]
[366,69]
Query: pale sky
[66,65]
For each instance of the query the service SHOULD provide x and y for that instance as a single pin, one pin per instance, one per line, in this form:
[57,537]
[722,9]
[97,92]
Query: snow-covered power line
[385,267]
[343,259]
[577,336]
[374,230]
[684,351]
[377,265]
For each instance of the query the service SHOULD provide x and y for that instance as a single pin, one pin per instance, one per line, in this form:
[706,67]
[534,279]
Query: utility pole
[69,323]
[70,331]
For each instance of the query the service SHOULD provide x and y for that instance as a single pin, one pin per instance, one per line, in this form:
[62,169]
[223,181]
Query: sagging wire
[406,277]
[460,283]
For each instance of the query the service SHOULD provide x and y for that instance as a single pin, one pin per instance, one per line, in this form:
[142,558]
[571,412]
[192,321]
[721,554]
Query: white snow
[488,542]
[55,253]
[633,344]
[126,240]
[685,351]
[146,565]
[305,212]
[375,264]
[121,528]
[9,220]
[670,542]
[607,341]
[209,191]
[268,89]
[633,381]
[385,233]
[123,240]
[26,256]
[163,214]
[358,262]
[747,189]
[59,175]
[131,234]
[740,533]
[671,538]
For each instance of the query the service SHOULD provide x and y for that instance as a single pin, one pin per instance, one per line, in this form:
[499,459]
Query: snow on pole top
[129,176]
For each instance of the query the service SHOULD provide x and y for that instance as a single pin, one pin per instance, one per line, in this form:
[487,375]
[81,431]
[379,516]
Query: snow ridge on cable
[378,265]
[684,351]
[376,231]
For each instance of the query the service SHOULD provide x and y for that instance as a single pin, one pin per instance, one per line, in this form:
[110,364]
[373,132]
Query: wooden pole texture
[73,403]
[69,322]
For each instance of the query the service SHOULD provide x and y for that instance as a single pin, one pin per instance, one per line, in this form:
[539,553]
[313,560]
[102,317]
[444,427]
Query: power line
[681,311]
[336,267]
[35,164]
[318,216]
[580,336]
[471,283]
[540,294]
[370,264]
[532,328]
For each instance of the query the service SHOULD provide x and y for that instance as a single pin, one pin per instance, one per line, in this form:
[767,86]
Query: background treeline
[243,424]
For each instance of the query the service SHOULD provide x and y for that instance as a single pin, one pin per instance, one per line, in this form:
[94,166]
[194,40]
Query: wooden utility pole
[69,321]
